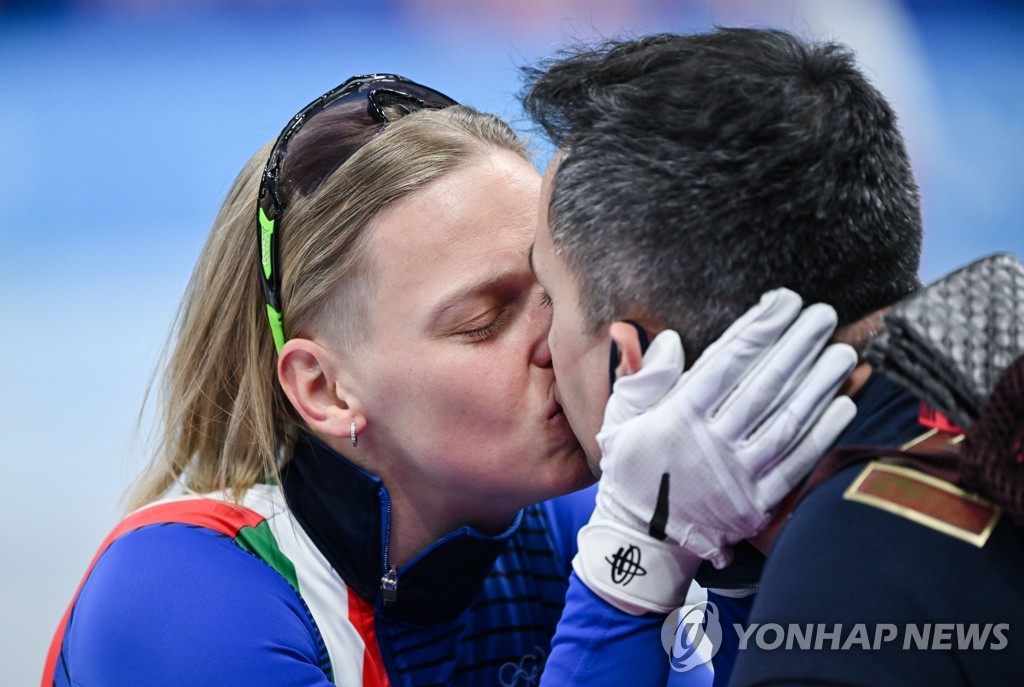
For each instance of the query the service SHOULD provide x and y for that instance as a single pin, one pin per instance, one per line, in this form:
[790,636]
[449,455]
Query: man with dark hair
[764,161]
[693,174]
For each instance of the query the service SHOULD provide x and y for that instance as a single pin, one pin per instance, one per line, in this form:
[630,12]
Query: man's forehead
[536,257]
[545,201]
[552,168]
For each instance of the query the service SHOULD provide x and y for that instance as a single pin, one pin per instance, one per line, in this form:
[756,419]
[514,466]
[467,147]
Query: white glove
[695,463]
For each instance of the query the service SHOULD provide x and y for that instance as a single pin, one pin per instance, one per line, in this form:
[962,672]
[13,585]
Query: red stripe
[933,419]
[226,518]
[361,615]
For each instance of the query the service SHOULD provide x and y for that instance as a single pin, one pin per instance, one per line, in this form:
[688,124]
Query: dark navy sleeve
[840,565]
[732,614]
[174,604]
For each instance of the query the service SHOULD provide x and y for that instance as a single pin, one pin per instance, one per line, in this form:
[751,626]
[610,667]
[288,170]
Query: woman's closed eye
[498,319]
[545,299]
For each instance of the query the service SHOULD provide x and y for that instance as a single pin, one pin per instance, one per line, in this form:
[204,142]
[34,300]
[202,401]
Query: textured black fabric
[949,342]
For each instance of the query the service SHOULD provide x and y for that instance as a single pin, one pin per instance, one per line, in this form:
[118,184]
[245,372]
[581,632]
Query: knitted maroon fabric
[992,455]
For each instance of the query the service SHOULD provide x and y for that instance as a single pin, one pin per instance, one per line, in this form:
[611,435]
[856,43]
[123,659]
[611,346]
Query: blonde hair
[225,422]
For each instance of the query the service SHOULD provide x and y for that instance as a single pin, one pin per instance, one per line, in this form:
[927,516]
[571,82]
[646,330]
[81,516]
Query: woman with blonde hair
[359,475]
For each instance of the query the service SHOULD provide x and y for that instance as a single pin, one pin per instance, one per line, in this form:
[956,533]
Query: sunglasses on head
[321,137]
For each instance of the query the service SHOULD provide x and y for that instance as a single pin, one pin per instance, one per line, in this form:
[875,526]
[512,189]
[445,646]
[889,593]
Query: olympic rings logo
[525,672]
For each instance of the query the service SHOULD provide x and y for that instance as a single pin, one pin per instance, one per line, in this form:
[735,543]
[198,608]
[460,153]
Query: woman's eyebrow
[467,292]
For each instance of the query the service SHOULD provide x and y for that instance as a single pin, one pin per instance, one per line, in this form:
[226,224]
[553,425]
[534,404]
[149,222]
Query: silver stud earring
[355,439]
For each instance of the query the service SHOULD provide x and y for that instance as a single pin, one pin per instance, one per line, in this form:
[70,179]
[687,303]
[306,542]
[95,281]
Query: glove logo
[626,565]
[691,636]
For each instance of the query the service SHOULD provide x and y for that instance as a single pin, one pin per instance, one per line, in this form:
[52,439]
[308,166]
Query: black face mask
[613,358]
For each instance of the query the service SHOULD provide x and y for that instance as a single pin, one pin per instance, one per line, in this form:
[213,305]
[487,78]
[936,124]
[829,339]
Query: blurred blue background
[122,123]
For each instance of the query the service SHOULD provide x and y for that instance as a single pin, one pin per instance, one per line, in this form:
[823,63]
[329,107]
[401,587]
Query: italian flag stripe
[260,541]
[226,518]
[361,615]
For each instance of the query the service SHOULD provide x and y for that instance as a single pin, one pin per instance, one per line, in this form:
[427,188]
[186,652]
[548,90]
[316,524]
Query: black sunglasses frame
[379,90]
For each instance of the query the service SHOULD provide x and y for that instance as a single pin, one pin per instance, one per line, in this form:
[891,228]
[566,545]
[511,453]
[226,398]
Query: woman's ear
[311,378]
[631,354]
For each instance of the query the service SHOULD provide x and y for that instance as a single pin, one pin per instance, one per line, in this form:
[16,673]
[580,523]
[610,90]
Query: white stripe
[320,586]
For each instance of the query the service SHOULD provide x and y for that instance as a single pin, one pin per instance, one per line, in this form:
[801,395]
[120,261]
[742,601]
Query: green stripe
[260,541]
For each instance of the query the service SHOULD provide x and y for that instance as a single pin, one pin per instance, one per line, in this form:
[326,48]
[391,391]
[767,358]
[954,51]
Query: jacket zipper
[388,587]
[389,580]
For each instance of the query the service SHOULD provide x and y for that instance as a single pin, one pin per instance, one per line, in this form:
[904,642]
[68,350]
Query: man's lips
[554,409]
[554,406]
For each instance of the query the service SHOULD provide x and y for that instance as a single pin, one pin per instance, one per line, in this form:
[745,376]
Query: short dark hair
[702,170]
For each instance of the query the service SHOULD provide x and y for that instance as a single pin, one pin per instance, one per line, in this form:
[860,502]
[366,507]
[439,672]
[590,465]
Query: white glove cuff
[631,570]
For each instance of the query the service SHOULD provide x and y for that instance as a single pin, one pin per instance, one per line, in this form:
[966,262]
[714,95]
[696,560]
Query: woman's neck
[418,519]
[421,514]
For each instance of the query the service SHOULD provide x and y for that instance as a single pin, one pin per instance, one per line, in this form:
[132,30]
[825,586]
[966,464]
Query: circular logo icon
[691,635]
[625,565]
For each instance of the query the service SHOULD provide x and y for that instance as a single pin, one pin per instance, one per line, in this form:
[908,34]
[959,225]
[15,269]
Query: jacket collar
[346,511]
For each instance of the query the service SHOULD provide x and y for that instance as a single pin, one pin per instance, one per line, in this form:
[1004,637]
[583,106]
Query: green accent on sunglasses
[276,327]
[265,256]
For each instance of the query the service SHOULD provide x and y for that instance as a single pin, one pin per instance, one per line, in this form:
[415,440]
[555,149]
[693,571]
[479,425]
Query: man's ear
[627,340]
[311,379]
